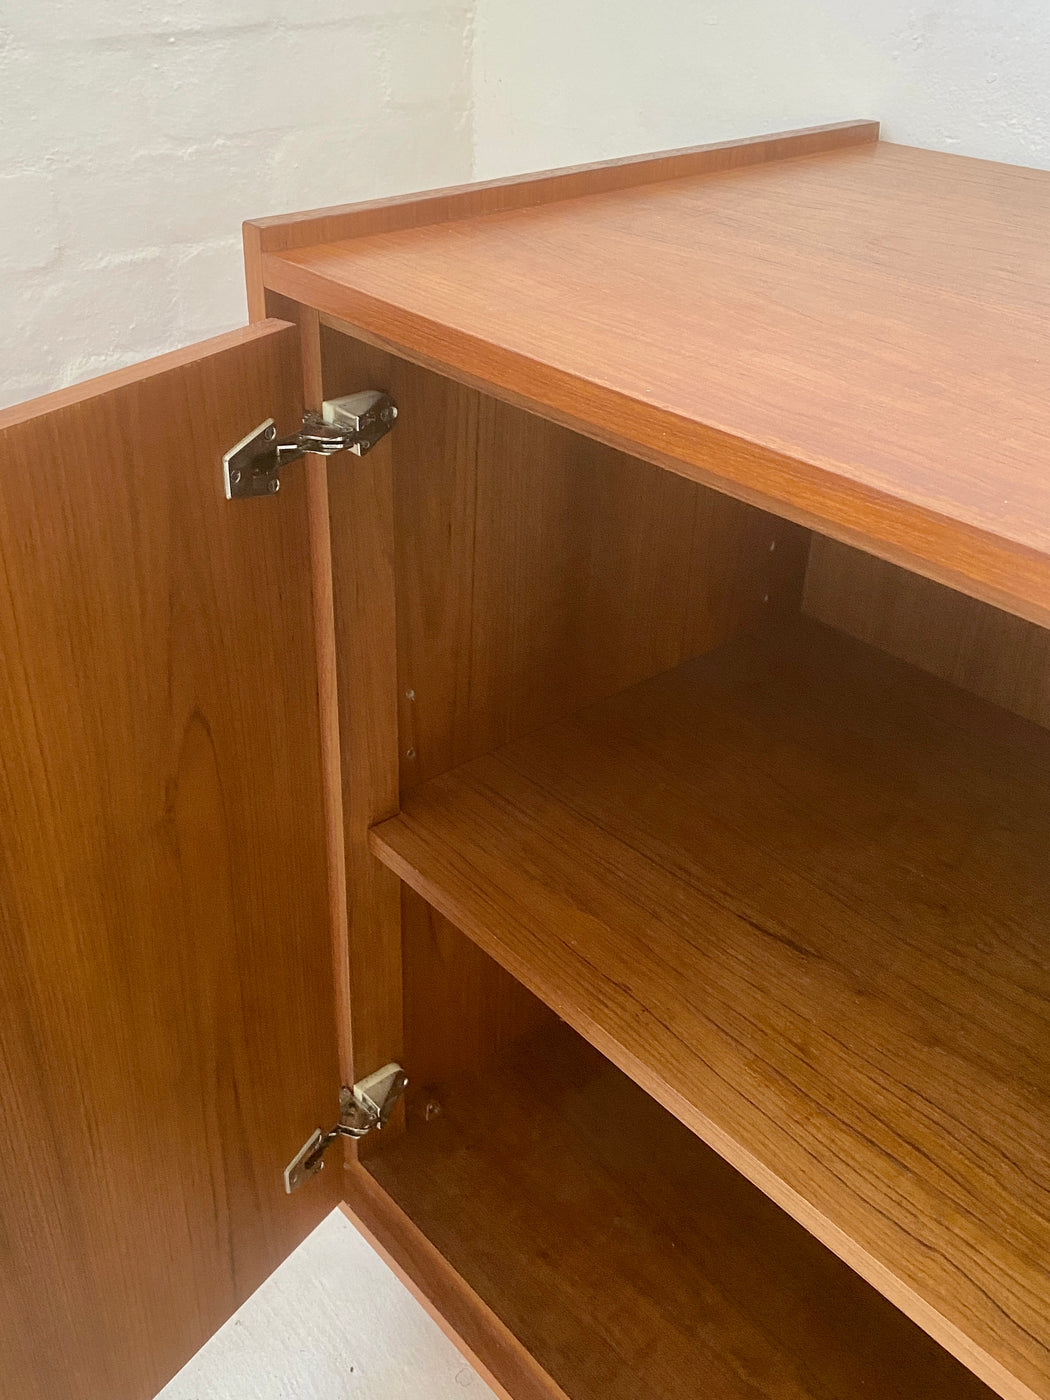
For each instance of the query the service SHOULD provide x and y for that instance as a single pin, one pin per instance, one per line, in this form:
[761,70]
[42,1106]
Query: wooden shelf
[628,1258]
[799,892]
[856,338]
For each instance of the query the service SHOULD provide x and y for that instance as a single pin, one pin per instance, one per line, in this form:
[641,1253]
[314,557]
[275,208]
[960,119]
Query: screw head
[410,694]
[410,753]
[235,478]
[274,486]
[270,433]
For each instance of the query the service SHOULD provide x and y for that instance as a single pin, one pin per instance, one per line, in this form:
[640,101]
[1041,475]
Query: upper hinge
[352,424]
[366,1106]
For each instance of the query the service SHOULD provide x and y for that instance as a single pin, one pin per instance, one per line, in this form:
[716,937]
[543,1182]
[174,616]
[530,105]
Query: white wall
[559,81]
[136,135]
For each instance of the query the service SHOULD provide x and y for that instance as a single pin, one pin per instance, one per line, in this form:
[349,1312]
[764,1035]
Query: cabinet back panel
[593,570]
[992,653]
[539,571]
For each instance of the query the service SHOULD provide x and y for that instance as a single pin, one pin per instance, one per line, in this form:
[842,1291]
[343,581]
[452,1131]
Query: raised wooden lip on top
[964,535]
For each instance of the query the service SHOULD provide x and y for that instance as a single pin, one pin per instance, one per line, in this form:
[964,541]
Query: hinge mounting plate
[366,1106]
[352,424]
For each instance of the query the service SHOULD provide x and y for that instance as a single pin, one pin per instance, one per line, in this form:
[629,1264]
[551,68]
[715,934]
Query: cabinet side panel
[536,572]
[994,654]
[360,522]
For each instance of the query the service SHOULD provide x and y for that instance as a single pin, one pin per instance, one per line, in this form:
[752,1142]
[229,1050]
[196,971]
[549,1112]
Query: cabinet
[644,745]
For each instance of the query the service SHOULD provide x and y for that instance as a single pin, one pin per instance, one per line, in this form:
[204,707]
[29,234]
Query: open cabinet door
[167,1039]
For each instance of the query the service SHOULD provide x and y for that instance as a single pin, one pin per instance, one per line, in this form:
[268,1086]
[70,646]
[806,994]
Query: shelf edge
[999,571]
[383,844]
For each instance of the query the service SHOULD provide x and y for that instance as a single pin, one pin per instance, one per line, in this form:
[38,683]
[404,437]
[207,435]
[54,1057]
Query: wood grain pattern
[461,1007]
[284,231]
[537,571]
[315,470]
[356,545]
[799,891]
[435,486]
[168,1039]
[989,652]
[485,1340]
[592,570]
[856,339]
[255,289]
[630,1259]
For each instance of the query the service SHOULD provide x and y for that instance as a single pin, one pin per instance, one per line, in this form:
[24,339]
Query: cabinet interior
[629,1258]
[697,864]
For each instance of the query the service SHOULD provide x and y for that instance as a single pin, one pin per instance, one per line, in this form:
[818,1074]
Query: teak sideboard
[644,746]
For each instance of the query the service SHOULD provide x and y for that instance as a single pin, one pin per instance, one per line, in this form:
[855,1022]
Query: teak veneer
[583,698]
[642,1264]
[798,892]
[857,338]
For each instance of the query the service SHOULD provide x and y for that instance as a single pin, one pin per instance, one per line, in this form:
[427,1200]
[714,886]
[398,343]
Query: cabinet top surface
[876,315]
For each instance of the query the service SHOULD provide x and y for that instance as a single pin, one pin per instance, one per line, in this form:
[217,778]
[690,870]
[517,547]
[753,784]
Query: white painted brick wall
[561,81]
[136,135]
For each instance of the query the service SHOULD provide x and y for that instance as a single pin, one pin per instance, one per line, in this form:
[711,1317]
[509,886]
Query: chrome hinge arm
[352,424]
[366,1106]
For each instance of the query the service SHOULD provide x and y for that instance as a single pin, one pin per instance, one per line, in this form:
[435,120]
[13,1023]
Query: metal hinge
[366,1106]
[352,424]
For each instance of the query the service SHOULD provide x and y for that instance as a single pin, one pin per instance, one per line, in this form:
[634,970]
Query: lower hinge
[366,1106]
[352,424]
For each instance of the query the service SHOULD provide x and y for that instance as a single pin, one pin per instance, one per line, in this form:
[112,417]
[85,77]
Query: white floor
[333,1323]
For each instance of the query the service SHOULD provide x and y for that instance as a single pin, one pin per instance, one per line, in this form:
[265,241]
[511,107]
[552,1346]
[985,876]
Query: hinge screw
[270,433]
[275,485]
